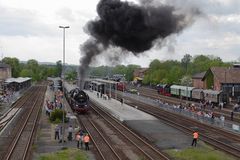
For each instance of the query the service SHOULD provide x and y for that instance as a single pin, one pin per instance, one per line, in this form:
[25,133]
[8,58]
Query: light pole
[63,70]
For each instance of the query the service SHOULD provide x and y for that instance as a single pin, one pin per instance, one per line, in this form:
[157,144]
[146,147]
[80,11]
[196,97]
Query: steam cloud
[134,28]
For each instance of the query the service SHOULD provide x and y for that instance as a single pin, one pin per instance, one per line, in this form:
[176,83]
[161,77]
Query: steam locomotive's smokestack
[132,27]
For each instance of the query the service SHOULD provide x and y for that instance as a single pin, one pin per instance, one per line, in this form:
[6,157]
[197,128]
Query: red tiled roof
[226,75]
[140,70]
[199,75]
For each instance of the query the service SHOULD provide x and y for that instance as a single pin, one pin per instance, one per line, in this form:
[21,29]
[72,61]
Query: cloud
[22,22]
[66,14]
[29,29]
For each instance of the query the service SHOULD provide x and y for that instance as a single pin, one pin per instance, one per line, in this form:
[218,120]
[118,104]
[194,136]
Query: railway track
[219,138]
[104,149]
[6,117]
[18,135]
[130,140]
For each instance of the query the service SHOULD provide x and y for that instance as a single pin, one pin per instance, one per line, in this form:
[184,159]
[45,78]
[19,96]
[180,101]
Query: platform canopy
[17,80]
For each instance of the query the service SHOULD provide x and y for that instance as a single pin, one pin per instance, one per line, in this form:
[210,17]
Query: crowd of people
[7,96]
[56,103]
[81,136]
[205,110]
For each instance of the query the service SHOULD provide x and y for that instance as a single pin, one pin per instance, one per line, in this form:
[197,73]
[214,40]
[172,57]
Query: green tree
[43,70]
[33,66]
[119,69]
[26,73]
[202,63]
[71,75]
[52,72]
[163,72]
[155,64]
[58,68]
[129,72]
[186,61]
[15,66]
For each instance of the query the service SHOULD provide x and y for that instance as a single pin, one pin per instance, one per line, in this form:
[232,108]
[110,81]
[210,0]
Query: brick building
[5,73]
[197,80]
[139,72]
[226,79]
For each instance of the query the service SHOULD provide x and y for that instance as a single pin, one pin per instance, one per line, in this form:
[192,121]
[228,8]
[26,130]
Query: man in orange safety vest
[195,138]
[86,140]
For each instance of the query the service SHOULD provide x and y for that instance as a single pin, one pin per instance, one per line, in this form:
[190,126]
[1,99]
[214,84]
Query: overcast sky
[29,30]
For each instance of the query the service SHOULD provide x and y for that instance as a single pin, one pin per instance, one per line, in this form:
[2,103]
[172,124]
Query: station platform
[123,112]
[156,131]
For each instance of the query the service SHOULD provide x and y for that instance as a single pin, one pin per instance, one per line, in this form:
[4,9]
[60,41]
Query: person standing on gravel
[57,130]
[78,139]
[195,138]
[81,133]
[70,131]
[86,140]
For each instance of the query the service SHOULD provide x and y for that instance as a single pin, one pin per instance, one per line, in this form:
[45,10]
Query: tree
[155,64]
[202,63]
[186,61]
[52,72]
[71,75]
[186,80]
[15,66]
[58,68]
[33,66]
[119,69]
[129,71]
[26,73]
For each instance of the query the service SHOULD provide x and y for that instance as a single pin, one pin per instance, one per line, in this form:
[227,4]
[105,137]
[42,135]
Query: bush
[56,116]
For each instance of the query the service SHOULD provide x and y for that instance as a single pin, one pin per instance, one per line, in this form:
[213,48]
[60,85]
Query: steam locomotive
[77,99]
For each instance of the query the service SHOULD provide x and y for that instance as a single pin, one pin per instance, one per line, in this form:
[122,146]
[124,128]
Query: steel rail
[15,141]
[104,139]
[40,99]
[131,132]
[165,116]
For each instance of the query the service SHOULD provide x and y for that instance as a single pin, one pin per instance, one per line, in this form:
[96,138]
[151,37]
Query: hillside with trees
[170,71]
[175,72]
[32,69]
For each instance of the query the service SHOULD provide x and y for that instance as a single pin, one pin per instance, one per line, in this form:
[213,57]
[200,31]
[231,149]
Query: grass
[67,154]
[202,152]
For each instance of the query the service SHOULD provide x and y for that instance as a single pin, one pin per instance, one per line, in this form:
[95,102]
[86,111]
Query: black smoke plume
[132,27]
